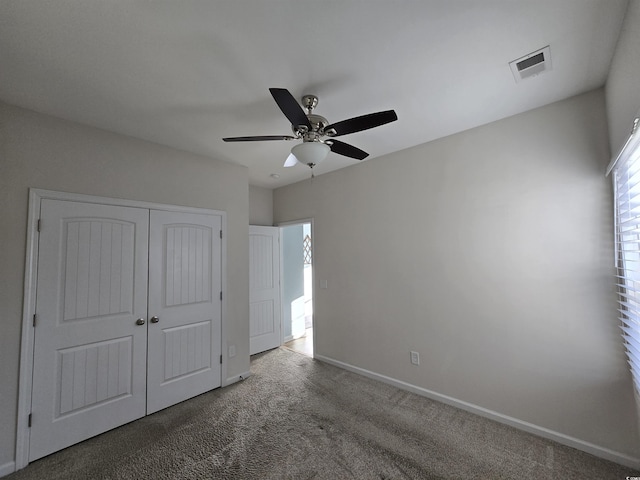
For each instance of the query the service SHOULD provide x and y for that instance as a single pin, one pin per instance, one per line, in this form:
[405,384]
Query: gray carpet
[297,418]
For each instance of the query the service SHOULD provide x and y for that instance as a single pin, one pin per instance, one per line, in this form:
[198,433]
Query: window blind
[625,171]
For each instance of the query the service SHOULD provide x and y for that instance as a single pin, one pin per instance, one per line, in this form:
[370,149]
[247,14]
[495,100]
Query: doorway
[297,287]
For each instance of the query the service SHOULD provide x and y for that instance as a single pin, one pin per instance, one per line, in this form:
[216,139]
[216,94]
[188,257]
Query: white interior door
[264,289]
[89,365]
[185,307]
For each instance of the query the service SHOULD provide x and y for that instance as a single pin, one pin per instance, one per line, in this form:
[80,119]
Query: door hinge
[29,421]
[220,359]
[39,226]
[220,295]
[220,233]
[35,319]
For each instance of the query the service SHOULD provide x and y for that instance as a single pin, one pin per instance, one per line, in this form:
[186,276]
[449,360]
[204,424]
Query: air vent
[531,65]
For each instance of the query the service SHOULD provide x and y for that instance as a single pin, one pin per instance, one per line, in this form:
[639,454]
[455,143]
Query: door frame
[29,300]
[313,271]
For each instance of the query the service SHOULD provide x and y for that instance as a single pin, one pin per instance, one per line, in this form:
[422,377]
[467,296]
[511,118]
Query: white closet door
[184,295]
[89,354]
[264,289]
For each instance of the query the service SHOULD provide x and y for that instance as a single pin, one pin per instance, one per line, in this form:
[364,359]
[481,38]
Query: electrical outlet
[415,358]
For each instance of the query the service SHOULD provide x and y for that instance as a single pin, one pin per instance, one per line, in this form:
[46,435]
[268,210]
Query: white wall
[622,91]
[44,152]
[260,206]
[292,280]
[490,253]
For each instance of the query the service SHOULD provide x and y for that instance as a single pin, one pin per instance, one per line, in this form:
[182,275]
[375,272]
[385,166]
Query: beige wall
[622,92]
[44,152]
[490,253]
[260,206]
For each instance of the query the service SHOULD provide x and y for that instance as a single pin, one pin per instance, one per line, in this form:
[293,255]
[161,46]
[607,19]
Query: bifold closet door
[185,307]
[90,350]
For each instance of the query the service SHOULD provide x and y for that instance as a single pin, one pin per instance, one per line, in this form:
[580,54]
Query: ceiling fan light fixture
[310,153]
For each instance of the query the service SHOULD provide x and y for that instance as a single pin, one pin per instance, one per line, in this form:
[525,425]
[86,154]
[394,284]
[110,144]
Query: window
[306,245]
[625,170]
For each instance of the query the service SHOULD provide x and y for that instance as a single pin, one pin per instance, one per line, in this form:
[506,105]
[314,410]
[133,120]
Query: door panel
[264,289]
[93,373]
[89,354]
[186,256]
[187,350]
[184,293]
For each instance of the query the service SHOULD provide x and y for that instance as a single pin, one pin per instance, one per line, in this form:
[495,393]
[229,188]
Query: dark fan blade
[357,124]
[347,150]
[258,138]
[290,107]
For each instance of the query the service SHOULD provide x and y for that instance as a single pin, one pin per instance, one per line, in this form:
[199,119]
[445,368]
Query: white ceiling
[187,73]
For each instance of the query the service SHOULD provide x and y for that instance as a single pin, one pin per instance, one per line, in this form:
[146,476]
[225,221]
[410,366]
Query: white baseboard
[288,338]
[598,451]
[236,378]
[7,468]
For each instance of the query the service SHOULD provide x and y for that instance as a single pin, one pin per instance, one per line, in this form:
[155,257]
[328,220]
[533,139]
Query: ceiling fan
[316,133]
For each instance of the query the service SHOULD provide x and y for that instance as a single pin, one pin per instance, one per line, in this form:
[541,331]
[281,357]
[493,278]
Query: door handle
[154,319]
[140,321]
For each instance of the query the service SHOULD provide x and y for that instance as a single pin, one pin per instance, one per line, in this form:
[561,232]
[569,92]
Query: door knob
[154,319]
[140,321]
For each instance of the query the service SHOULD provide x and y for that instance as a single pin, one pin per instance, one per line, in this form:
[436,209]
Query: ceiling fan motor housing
[318,123]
